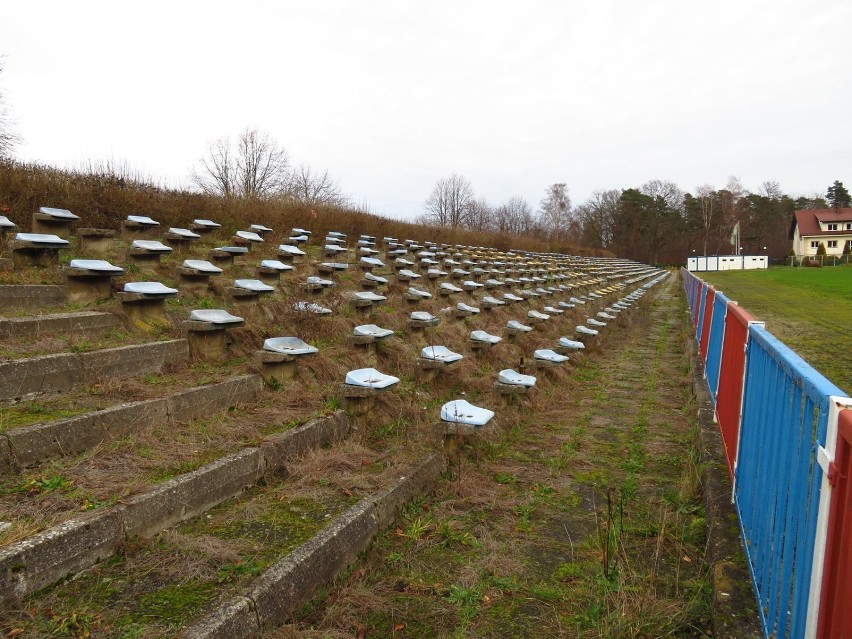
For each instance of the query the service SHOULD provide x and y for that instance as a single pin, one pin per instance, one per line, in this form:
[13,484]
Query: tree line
[655,222]
[256,166]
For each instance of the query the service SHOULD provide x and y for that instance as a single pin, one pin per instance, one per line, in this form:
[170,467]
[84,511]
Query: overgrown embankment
[103,200]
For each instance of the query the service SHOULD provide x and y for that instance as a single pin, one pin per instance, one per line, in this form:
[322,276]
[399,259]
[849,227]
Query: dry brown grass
[104,200]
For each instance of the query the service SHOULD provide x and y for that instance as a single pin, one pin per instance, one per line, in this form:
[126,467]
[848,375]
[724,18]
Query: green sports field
[809,309]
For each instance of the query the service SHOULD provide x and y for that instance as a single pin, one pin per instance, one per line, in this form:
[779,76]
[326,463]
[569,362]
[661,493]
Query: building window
[849,226]
[832,227]
[832,244]
[815,244]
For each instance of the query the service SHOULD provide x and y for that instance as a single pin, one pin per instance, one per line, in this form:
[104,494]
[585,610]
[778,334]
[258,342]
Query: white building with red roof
[830,227]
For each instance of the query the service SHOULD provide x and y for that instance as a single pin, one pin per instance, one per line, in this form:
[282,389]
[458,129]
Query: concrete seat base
[242,297]
[26,254]
[362,307]
[236,240]
[460,314]
[48,224]
[361,340]
[455,436]
[423,324]
[327,269]
[313,289]
[143,259]
[208,340]
[277,367]
[135,231]
[222,259]
[146,313]
[179,243]
[268,275]
[97,242]
[435,365]
[509,393]
[358,400]
[192,282]
[428,369]
[203,230]
[479,346]
[86,288]
[286,258]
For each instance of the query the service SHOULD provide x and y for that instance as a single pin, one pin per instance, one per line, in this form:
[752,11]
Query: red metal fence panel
[730,394]
[835,618]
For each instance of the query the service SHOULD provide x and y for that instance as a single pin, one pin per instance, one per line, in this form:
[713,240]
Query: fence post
[828,609]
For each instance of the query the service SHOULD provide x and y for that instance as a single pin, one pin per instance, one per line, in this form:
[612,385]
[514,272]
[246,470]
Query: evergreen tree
[838,196]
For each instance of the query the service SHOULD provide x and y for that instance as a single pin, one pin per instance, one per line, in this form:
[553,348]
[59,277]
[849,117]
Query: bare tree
[771,189]
[449,202]
[515,216]
[667,191]
[598,215]
[8,137]
[555,211]
[254,167]
[308,187]
[706,197]
[730,207]
[480,215]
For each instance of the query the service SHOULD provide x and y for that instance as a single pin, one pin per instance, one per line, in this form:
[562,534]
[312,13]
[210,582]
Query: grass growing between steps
[131,464]
[36,412]
[77,342]
[154,587]
[111,392]
[584,519]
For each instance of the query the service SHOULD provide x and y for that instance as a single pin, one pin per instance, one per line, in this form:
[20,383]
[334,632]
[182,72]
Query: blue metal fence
[785,412]
[699,321]
[714,347]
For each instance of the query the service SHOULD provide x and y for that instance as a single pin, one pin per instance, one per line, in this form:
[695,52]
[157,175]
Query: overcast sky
[390,96]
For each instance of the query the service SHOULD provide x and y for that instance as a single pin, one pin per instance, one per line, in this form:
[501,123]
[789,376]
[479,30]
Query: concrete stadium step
[31,445]
[150,452]
[83,322]
[277,544]
[28,296]
[83,540]
[63,371]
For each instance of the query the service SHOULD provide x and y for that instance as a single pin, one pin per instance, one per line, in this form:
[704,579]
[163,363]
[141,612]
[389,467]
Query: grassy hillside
[103,198]
[809,309]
